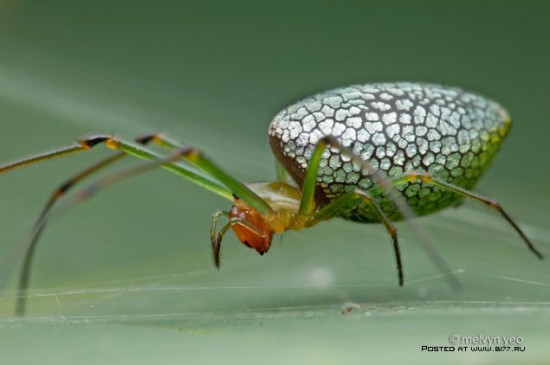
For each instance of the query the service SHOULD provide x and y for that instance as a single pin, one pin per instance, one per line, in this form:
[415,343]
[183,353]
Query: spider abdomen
[397,128]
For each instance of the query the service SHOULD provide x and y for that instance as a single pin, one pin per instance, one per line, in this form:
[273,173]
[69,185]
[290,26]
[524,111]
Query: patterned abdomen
[397,127]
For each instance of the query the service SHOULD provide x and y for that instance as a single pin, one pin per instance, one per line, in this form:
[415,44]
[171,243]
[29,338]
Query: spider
[367,153]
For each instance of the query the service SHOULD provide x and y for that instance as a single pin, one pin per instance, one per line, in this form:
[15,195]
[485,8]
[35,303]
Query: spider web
[315,288]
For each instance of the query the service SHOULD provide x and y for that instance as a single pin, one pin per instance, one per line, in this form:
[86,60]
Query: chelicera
[374,153]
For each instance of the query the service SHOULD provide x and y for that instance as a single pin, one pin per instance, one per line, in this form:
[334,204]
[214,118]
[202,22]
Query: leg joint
[329,140]
[493,204]
[190,153]
[156,138]
[146,138]
[64,187]
[363,196]
[91,141]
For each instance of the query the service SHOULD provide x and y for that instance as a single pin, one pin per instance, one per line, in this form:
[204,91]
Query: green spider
[367,153]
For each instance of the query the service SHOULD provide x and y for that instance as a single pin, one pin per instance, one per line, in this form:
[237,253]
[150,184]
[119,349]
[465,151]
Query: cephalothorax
[368,153]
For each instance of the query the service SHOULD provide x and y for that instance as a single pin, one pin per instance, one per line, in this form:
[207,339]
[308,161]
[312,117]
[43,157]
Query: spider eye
[251,228]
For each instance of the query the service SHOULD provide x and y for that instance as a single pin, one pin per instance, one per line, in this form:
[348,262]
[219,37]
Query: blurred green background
[127,278]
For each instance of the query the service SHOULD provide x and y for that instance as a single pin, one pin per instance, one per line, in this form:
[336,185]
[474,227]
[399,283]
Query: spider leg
[224,183]
[61,191]
[282,175]
[214,235]
[491,203]
[307,204]
[129,148]
[215,180]
[216,239]
[346,202]
[80,197]
[214,225]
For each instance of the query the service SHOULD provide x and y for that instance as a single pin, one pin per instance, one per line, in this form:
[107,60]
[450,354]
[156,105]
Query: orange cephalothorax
[251,228]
